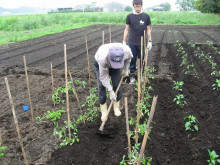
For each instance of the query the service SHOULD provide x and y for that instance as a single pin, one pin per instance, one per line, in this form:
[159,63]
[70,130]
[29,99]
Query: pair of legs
[115,76]
[136,51]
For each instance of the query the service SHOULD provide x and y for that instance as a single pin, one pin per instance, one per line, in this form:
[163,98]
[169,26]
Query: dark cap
[116,57]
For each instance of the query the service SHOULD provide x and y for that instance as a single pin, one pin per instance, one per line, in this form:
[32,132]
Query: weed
[191,123]
[213,157]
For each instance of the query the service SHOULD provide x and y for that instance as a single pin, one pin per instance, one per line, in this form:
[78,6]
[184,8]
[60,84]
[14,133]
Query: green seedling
[213,157]
[134,155]
[56,97]
[177,85]
[216,86]
[92,110]
[63,133]
[179,100]
[2,148]
[53,115]
[83,83]
[191,124]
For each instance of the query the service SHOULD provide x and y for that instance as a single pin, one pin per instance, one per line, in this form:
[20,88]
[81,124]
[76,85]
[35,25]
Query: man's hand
[125,73]
[112,96]
[124,42]
[149,45]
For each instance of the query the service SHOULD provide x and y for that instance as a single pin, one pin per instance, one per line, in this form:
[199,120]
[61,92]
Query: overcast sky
[72,3]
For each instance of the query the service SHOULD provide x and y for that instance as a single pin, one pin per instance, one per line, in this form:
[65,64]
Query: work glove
[125,73]
[149,45]
[124,43]
[112,96]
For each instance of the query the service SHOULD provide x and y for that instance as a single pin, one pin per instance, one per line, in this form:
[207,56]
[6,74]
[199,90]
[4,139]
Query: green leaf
[196,127]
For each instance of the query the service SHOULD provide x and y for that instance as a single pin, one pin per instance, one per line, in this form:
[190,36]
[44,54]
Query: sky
[71,3]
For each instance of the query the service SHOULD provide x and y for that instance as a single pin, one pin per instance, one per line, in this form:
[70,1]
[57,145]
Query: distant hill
[23,10]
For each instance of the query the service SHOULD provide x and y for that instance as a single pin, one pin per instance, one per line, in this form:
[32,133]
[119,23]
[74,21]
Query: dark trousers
[136,51]
[115,76]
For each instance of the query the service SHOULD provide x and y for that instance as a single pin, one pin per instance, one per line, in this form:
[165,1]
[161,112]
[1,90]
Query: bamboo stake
[67,93]
[139,93]
[75,91]
[0,138]
[141,55]
[52,80]
[90,89]
[147,129]
[16,121]
[28,87]
[110,35]
[127,126]
[103,37]
[110,106]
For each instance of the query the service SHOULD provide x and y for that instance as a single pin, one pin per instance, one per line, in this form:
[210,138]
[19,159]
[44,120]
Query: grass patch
[22,27]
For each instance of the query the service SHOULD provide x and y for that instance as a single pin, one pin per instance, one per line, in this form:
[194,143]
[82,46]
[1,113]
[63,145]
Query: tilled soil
[169,142]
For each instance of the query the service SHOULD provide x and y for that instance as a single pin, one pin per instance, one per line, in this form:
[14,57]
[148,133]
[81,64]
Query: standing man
[136,23]
[109,59]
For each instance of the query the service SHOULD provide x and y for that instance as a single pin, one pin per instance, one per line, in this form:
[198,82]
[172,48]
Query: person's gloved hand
[149,45]
[124,42]
[125,73]
[112,96]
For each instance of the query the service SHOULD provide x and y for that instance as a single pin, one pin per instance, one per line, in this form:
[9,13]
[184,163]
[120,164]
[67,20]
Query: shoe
[132,80]
[104,111]
[117,111]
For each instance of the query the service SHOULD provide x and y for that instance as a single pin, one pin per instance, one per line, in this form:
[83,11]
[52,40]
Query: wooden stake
[145,71]
[52,80]
[67,93]
[90,89]
[75,91]
[0,138]
[110,35]
[139,92]
[141,55]
[147,129]
[110,106]
[28,87]
[16,121]
[127,126]
[103,37]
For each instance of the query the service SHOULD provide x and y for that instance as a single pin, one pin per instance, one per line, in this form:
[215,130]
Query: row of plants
[188,68]
[191,123]
[140,128]
[207,58]
[89,113]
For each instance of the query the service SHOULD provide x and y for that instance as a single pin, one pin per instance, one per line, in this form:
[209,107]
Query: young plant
[83,83]
[216,86]
[213,157]
[134,155]
[92,110]
[179,100]
[2,148]
[177,85]
[63,133]
[53,115]
[191,124]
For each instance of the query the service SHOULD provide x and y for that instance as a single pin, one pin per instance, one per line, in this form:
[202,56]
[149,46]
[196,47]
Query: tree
[128,8]
[185,5]
[166,6]
[208,6]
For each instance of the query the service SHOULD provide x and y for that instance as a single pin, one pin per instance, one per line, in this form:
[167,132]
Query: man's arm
[149,33]
[126,31]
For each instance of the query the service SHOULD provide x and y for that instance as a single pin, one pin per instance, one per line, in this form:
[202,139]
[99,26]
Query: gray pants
[115,76]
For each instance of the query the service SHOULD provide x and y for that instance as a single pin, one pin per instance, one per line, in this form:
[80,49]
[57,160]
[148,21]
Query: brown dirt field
[169,144]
